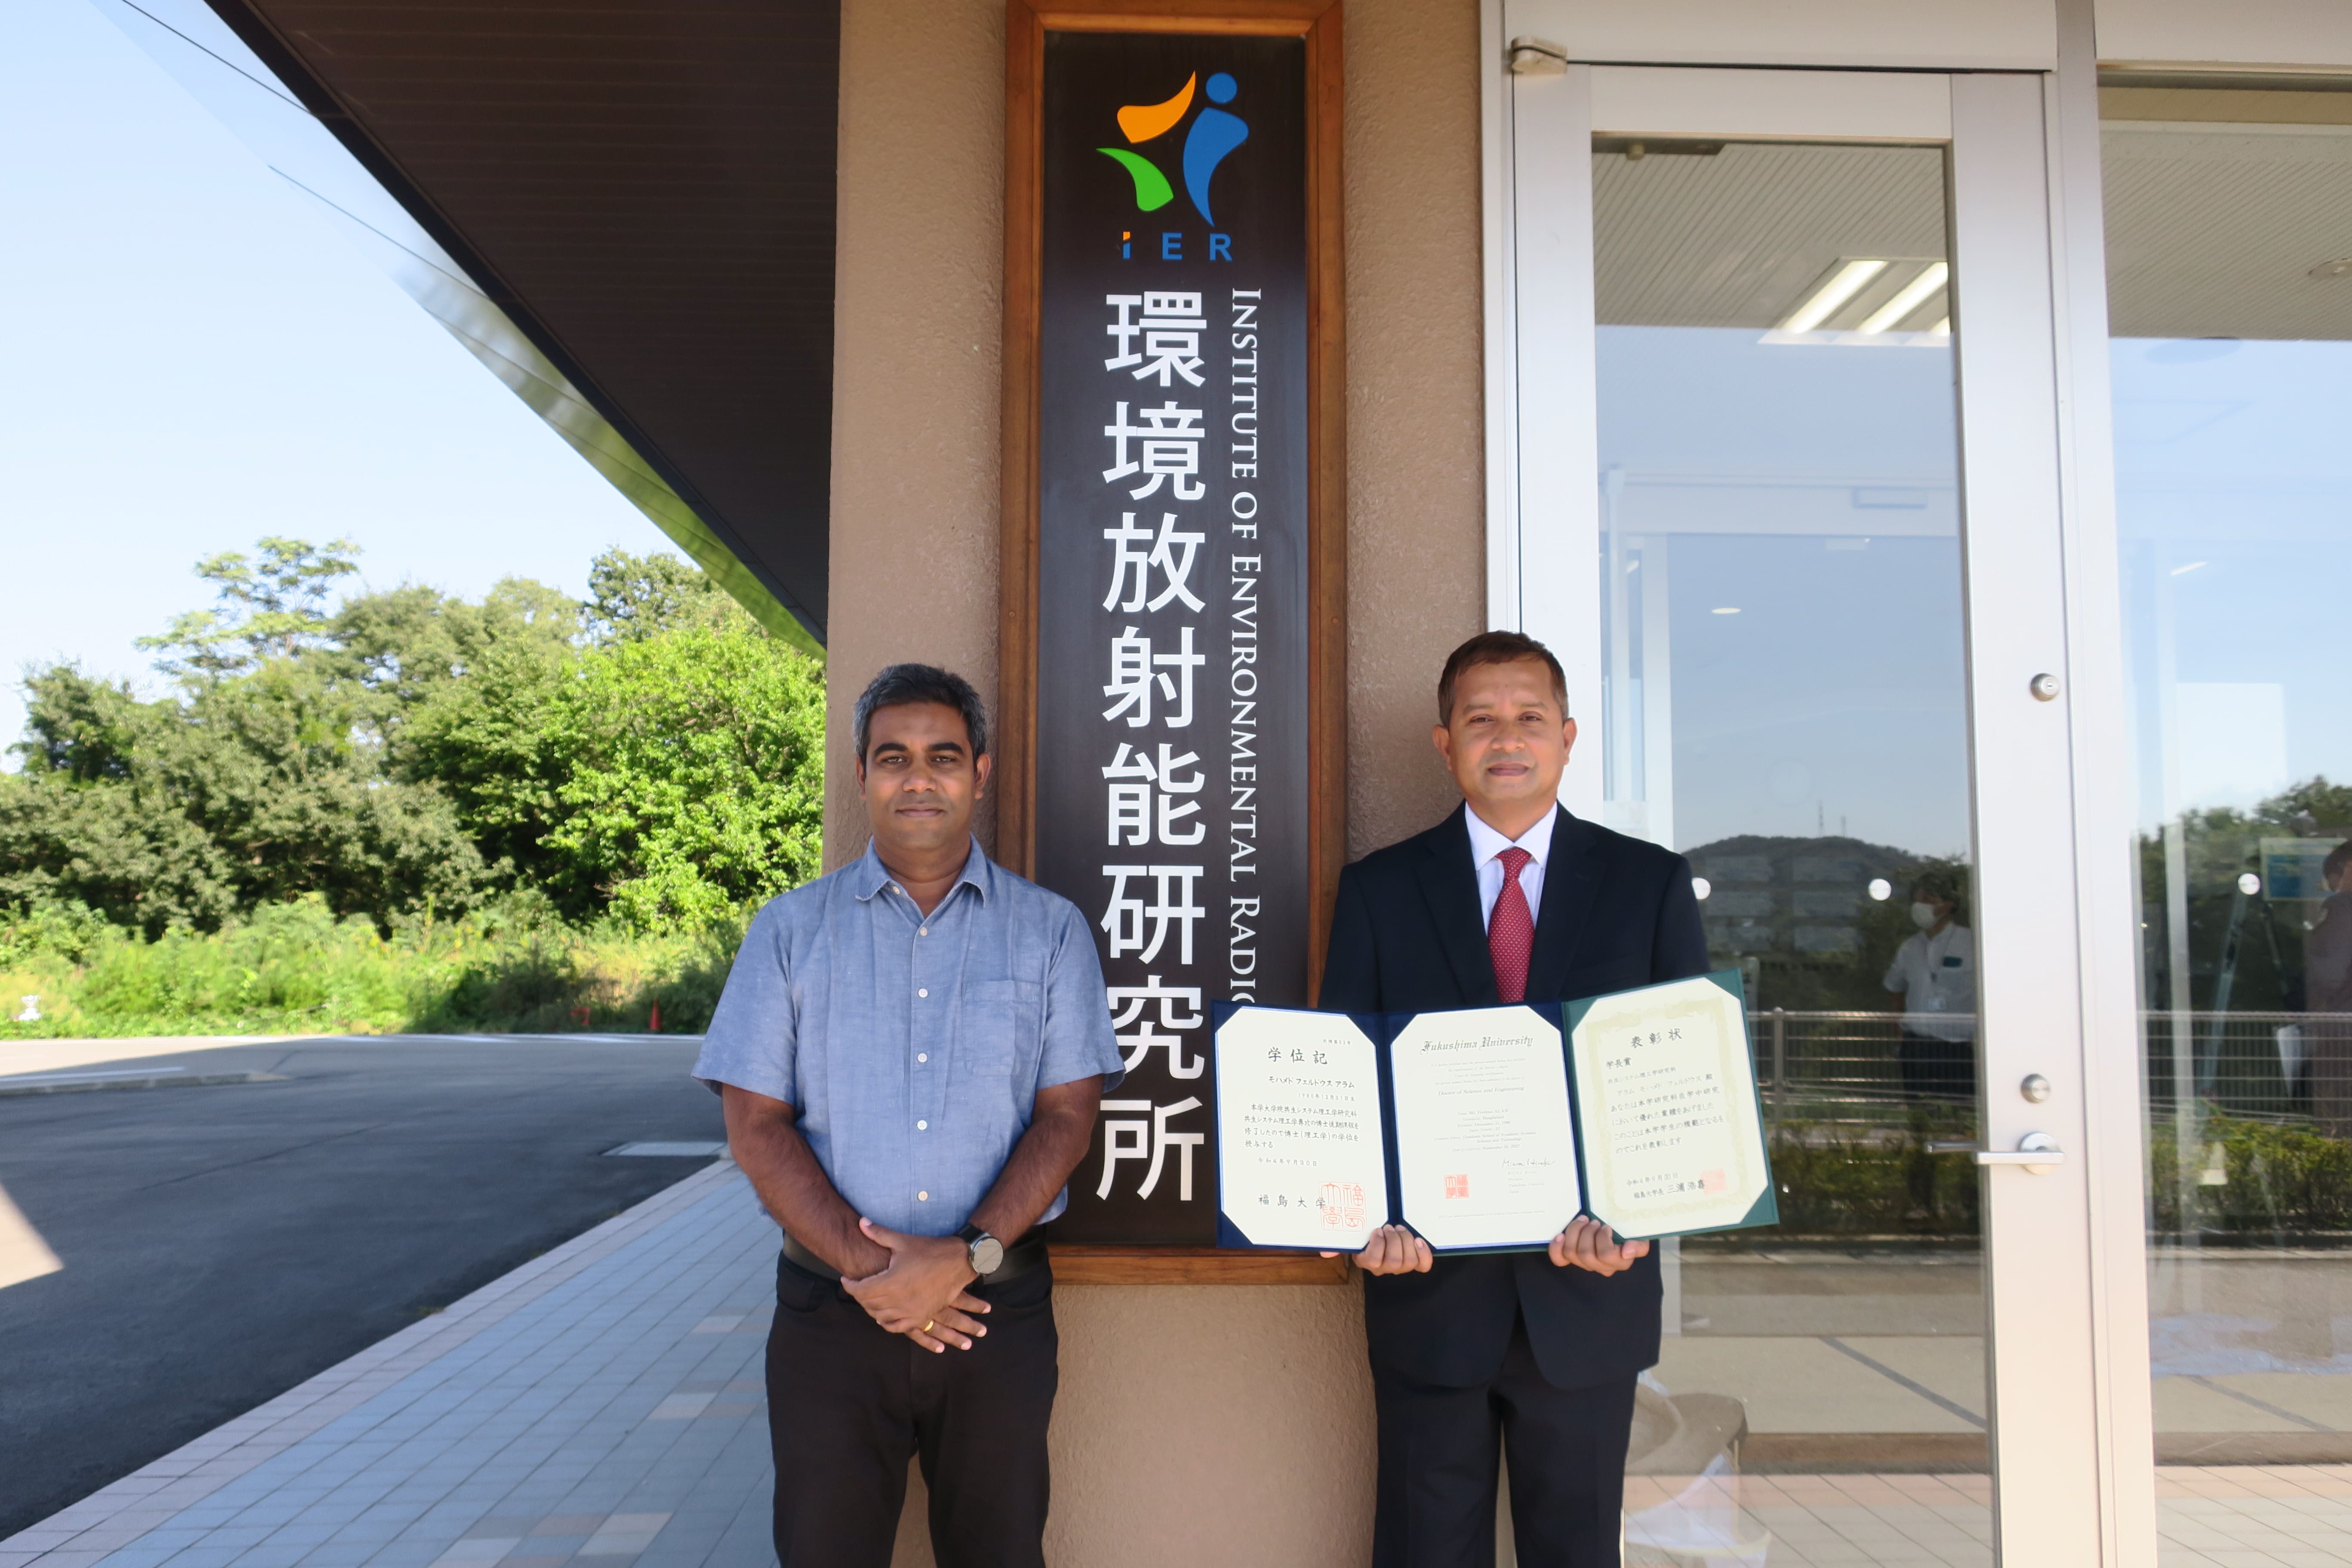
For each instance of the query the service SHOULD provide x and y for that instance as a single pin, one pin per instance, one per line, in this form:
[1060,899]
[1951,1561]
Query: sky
[193,359]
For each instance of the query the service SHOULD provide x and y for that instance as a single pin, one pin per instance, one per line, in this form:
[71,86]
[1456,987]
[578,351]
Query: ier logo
[1213,135]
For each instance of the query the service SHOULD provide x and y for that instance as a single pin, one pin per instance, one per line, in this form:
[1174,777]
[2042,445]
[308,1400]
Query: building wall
[1254,1397]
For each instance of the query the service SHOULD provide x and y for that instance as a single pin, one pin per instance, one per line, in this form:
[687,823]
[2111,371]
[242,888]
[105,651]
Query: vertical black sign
[1171,658]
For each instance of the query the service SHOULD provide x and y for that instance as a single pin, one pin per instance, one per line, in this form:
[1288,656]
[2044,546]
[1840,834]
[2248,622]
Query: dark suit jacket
[1408,936]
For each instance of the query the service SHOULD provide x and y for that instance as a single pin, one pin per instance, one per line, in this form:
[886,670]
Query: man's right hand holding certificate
[1509,900]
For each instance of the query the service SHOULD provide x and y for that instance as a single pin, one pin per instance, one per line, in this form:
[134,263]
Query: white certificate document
[1301,1154]
[1673,1138]
[1485,1145]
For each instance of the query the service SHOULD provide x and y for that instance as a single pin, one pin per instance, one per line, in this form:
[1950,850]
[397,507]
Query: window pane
[2230,247]
[1784,702]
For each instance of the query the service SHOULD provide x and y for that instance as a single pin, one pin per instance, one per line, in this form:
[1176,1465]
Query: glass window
[2228,215]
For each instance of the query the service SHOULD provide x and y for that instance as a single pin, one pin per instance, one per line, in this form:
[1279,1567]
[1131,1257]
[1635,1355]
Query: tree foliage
[650,755]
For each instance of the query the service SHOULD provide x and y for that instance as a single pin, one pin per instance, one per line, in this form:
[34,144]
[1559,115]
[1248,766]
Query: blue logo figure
[1215,135]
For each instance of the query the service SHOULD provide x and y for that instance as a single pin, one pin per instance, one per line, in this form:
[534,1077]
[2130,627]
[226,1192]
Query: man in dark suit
[1508,900]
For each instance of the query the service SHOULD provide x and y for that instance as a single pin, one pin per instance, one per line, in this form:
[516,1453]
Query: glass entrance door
[1782,504]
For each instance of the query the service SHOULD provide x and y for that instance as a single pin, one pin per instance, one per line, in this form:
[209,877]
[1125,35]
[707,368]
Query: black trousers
[1936,1069]
[1438,1462]
[848,1404]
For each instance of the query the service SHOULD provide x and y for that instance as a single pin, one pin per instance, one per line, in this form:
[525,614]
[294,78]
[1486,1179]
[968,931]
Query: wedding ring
[927,1327]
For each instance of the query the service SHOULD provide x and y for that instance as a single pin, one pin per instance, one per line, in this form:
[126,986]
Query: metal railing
[1830,1058]
[2246,1063]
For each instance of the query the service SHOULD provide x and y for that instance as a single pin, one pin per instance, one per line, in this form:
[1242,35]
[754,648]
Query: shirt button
[922,991]
[922,1056]
[922,930]
[922,1197]
[922,1127]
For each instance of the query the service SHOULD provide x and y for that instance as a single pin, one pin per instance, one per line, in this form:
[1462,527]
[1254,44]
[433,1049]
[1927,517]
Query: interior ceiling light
[1908,298]
[1835,289]
[1727,610]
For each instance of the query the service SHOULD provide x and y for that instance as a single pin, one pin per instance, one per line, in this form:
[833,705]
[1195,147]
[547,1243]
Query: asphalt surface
[221,1244]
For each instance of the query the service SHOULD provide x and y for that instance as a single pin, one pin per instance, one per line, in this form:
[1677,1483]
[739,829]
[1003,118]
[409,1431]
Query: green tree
[251,790]
[408,749]
[483,740]
[273,607]
[689,771]
[631,597]
[114,847]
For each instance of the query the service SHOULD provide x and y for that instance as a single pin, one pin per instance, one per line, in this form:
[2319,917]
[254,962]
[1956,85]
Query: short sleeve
[1078,1038]
[753,1041]
[1897,980]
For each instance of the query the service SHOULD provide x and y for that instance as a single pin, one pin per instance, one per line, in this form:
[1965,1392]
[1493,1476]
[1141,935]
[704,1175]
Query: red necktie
[1511,930]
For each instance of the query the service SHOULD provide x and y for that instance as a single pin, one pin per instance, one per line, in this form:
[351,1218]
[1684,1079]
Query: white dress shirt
[1937,977]
[1486,847]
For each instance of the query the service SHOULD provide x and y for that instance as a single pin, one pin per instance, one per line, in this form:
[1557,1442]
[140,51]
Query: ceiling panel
[2213,231]
[646,186]
[1737,234]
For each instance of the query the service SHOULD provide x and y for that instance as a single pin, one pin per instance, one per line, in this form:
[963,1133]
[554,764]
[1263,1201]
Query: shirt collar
[1485,843]
[979,873]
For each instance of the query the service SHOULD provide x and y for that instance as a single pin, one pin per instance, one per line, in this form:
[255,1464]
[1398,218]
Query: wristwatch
[987,1253]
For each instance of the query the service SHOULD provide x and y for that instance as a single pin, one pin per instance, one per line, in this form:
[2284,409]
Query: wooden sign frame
[1319,23]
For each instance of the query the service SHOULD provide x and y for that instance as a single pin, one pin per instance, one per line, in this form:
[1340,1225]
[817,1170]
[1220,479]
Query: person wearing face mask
[1934,973]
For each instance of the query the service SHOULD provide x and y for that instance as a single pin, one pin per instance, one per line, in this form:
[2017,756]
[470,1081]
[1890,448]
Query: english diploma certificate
[1485,1142]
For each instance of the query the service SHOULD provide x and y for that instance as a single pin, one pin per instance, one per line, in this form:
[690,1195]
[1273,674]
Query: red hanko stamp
[1343,1206]
[1457,1186]
[1712,1182]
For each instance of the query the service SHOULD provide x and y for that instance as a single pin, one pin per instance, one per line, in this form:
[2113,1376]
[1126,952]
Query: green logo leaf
[1152,190]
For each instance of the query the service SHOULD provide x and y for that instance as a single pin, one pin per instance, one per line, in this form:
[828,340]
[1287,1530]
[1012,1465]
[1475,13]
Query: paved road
[221,1244]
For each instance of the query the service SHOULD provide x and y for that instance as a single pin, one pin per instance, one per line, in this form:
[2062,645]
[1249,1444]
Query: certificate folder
[1488,1129]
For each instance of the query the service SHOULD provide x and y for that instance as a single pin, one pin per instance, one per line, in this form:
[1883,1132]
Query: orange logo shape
[1142,121]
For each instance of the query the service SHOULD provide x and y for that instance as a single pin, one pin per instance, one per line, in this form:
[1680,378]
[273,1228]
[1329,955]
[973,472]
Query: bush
[2279,1178]
[1839,1179]
[295,968]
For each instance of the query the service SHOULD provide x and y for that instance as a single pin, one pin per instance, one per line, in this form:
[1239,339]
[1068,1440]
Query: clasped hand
[921,1293]
[1586,1244]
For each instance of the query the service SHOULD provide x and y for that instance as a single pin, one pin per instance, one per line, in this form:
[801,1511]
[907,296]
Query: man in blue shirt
[912,1052]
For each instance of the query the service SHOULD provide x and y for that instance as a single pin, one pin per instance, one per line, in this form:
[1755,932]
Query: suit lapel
[1449,883]
[1571,880]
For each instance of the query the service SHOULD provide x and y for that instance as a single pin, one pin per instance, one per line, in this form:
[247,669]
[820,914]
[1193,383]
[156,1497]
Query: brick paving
[601,1407]
[602,1403]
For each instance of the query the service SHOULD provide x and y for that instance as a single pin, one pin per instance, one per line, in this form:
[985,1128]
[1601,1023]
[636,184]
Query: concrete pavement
[220,1244]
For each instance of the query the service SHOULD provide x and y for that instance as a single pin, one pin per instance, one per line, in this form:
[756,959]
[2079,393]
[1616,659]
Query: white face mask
[1923,916]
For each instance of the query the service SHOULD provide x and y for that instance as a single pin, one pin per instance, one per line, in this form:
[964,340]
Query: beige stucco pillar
[1233,1423]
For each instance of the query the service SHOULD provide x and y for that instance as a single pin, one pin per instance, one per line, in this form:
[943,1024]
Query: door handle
[2037,1151]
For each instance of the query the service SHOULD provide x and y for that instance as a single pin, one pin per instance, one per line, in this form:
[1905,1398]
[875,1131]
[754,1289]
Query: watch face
[987,1255]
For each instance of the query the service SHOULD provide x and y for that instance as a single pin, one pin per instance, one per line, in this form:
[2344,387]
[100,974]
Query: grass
[295,968]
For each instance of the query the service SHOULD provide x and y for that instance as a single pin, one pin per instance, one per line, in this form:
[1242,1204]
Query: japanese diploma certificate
[1302,1161]
[1488,1129]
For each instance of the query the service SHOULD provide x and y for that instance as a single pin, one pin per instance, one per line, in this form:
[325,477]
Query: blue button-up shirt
[913,1047]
